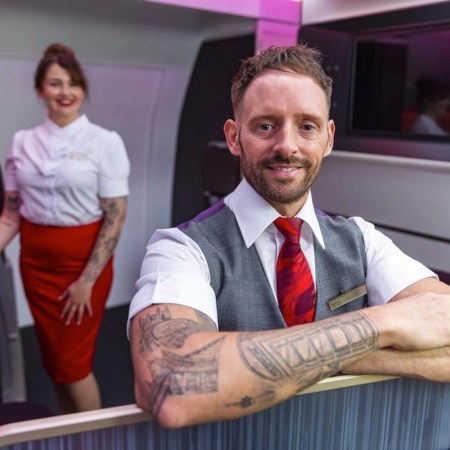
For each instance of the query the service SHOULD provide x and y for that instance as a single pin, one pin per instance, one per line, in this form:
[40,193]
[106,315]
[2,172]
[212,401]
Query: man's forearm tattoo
[265,397]
[194,373]
[298,358]
[308,355]
[303,356]
[160,330]
[174,373]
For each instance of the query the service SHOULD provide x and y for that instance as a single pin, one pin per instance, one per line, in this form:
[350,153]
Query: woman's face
[62,97]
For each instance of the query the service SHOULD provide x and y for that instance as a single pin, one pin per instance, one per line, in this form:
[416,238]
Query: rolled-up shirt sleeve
[174,271]
[389,270]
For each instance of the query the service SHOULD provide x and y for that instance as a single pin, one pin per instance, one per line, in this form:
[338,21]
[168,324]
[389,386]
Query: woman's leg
[82,395]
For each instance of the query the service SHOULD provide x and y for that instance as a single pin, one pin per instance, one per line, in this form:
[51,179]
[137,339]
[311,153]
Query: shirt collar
[254,214]
[70,130]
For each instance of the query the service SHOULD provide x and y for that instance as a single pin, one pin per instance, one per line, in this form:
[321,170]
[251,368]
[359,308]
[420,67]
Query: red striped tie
[295,286]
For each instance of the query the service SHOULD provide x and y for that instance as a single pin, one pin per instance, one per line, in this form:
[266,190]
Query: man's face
[281,134]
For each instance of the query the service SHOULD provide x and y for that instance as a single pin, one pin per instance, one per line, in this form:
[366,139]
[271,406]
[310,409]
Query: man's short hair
[297,58]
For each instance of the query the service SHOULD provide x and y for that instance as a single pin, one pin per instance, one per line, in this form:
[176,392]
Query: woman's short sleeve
[10,163]
[114,168]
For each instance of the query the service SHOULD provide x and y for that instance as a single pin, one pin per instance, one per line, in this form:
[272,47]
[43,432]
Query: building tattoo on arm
[194,373]
[172,373]
[158,329]
[311,354]
[304,356]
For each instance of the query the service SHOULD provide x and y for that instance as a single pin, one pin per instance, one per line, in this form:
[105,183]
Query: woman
[66,185]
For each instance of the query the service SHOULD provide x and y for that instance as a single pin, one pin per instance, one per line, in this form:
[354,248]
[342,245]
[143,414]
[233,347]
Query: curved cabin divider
[342,412]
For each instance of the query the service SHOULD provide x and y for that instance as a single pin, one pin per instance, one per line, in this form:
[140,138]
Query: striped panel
[399,414]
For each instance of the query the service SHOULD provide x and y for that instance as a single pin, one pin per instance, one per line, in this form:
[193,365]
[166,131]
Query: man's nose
[287,141]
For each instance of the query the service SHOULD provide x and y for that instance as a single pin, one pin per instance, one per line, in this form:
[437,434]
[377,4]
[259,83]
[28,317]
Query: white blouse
[62,172]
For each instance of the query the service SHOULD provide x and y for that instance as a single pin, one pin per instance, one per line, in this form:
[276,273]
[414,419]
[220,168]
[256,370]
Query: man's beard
[286,192]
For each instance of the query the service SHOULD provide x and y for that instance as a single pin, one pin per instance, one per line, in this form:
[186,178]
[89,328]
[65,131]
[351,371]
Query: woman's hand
[77,299]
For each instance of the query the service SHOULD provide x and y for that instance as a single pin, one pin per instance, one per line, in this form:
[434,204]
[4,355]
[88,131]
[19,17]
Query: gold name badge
[347,297]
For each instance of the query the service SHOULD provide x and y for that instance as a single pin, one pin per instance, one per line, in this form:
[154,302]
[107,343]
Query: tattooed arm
[431,364]
[10,218]
[78,294]
[186,373]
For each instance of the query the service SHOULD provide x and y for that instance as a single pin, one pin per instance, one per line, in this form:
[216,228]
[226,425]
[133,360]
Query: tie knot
[290,228]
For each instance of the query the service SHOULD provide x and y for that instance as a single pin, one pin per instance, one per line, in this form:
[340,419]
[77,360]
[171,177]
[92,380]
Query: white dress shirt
[175,270]
[62,172]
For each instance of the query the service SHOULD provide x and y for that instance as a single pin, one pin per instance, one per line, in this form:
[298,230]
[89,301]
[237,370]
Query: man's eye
[265,127]
[308,127]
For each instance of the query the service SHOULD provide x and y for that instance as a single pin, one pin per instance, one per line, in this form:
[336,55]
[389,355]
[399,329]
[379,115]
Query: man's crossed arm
[187,372]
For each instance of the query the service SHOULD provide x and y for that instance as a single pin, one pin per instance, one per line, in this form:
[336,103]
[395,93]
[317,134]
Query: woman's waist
[84,227]
[59,218]
[48,241]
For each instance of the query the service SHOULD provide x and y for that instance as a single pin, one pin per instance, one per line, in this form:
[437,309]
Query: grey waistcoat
[244,298]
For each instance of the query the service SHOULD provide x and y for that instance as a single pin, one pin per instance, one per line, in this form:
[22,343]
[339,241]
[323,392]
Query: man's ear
[231,131]
[330,142]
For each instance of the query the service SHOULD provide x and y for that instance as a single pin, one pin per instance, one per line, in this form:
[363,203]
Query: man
[209,341]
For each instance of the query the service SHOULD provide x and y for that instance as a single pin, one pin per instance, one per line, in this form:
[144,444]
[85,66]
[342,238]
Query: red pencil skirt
[51,258]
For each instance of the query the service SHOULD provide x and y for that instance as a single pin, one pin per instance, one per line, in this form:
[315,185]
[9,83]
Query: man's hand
[421,314]
[421,322]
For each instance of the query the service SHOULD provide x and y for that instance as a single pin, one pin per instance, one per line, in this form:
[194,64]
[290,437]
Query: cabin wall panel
[404,194]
